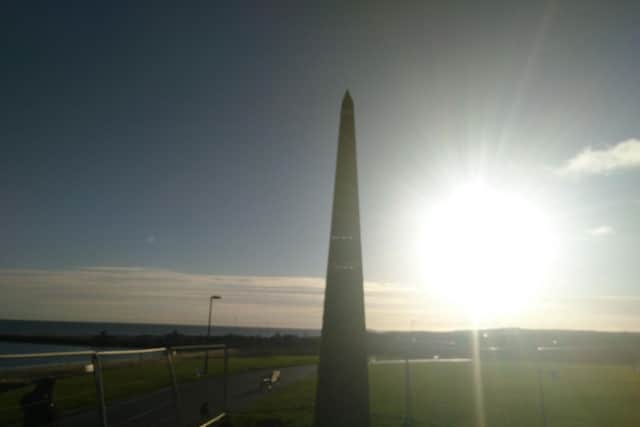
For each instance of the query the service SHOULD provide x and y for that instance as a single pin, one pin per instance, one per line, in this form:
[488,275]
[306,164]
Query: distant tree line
[495,344]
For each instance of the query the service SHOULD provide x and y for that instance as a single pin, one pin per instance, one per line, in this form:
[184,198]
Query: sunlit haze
[486,249]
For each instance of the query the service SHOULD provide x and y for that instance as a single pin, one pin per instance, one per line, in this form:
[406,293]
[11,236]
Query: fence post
[97,375]
[174,387]
[543,413]
[225,382]
[408,415]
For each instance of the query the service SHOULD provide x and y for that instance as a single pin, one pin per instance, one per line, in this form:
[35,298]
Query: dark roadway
[158,408]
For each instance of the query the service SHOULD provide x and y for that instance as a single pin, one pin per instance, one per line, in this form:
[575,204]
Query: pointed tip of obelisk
[347,101]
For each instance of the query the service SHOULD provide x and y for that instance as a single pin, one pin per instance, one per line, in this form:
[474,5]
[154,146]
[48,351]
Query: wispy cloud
[621,156]
[165,296]
[604,312]
[601,231]
[150,295]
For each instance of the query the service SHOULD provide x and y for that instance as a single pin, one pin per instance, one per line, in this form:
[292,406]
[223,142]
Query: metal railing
[170,352]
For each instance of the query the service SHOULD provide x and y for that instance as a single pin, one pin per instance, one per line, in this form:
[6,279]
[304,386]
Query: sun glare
[486,249]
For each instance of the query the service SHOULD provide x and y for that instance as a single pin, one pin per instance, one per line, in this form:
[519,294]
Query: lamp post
[206,354]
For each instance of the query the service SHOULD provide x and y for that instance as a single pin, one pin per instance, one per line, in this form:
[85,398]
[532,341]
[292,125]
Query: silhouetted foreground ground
[142,381]
[158,409]
[592,374]
[583,395]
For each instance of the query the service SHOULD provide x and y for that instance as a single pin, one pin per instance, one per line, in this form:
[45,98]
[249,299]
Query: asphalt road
[159,409]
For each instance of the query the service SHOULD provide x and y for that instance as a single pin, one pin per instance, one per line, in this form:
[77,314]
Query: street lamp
[206,354]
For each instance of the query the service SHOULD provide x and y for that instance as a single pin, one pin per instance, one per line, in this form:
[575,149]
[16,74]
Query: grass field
[575,395]
[122,380]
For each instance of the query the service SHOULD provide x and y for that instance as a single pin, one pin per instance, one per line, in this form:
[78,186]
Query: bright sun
[486,249]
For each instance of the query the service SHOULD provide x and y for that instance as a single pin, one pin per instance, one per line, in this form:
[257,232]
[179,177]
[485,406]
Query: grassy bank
[443,395]
[76,391]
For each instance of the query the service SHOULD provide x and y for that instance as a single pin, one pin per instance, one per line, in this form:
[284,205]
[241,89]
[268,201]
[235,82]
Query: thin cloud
[622,156]
[601,231]
[137,294]
[147,295]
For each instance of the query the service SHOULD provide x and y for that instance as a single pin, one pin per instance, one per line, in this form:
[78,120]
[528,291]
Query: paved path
[158,408]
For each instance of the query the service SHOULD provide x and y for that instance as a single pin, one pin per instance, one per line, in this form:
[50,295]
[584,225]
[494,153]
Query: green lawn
[122,380]
[443,395]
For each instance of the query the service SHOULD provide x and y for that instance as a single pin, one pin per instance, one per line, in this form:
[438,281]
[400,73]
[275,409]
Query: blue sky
[201,139]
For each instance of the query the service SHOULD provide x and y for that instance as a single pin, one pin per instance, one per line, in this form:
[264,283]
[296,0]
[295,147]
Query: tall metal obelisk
[342,393]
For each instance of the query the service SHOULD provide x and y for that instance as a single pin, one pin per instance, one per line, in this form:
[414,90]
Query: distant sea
[31,327]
